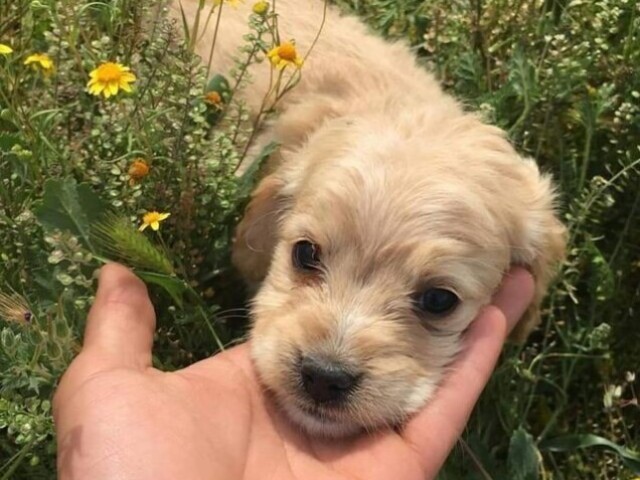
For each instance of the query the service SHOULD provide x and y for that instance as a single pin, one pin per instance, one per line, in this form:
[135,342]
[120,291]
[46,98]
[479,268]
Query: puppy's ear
[256,235]
[542,246]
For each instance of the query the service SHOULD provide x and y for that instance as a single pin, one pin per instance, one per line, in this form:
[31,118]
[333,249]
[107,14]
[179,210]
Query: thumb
[434,431]
[121,322]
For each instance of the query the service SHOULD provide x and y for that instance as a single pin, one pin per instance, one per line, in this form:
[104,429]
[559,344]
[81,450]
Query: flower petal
[113,88]
[155,226]
[96,88]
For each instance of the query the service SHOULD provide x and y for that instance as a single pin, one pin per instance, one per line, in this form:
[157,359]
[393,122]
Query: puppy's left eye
[437,301]
[306,256]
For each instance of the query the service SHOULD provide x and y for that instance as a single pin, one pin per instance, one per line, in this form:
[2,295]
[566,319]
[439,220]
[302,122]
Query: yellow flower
[153,219]
[109,78]
[261,7]
[233,3]
[5,49]
[138,170]
[283,55]
[213,98]
[42,60]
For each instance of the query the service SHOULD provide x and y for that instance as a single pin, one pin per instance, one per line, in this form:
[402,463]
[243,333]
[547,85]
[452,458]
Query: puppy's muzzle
[325,381]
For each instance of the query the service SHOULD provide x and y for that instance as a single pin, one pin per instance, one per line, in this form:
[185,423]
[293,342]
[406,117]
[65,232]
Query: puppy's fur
[401,190]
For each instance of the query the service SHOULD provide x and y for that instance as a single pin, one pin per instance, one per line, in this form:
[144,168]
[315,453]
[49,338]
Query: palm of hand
[209,421]
[116,417]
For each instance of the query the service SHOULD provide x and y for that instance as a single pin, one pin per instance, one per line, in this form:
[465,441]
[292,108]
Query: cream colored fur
[402,189]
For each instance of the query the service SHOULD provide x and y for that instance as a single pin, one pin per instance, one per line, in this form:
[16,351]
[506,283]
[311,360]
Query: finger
[514,295]
[121,322]
[435,430]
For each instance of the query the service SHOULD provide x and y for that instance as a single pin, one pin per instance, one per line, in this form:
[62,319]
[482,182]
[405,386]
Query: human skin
[117,417]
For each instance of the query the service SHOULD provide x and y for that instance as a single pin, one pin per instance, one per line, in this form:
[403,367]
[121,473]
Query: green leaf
[220,84]
[185,25]
[174,286]
[571,442]
[69,207]
[91,203]
[8,140]
[524,458]
[248,179]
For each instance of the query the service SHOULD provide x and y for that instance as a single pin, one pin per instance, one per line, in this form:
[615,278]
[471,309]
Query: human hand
[117,417]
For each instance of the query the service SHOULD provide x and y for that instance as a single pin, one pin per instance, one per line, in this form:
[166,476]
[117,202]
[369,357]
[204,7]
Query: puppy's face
[385,254]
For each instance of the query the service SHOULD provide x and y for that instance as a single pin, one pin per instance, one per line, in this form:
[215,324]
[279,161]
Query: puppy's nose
[326,381]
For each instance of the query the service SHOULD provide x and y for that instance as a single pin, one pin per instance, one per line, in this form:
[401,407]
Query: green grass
[561,77]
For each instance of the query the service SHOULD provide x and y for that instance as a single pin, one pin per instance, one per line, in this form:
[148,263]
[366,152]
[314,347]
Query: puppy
[385,223]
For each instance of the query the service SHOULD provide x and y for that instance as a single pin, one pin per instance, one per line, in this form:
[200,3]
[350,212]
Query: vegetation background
[78,171]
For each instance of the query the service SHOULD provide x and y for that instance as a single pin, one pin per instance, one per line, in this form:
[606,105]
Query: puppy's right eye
[306,256]
[437,301]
